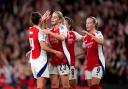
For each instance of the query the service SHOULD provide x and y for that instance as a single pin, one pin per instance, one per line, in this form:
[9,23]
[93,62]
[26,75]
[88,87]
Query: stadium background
[112,16]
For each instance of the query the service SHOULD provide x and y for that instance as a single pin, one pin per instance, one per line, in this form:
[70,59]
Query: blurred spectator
[112,17]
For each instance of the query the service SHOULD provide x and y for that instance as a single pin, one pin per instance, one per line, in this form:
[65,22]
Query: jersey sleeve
[63,30]
[78,36]
[41,36]
[99,35]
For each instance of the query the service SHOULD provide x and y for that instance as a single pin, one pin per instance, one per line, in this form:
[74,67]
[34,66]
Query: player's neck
[93,31]
[57,25]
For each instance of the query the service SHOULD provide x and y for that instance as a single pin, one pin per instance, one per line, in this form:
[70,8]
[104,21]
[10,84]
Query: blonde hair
[94,20]
[60,15]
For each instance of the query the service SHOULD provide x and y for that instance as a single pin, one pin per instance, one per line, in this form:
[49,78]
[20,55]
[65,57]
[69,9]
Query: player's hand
[58,54]
[46,16]
[45,31]
[86,33]
[89,34]
[28,55]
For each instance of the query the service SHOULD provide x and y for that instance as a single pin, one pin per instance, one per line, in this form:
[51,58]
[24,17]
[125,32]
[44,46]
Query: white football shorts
[39,67]
[96,72]
[59,69]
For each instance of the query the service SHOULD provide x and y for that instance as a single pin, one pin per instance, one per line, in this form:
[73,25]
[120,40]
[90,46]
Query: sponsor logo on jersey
[30,32]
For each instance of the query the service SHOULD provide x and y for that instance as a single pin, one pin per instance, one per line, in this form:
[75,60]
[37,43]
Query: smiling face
[56,17]
[90,24]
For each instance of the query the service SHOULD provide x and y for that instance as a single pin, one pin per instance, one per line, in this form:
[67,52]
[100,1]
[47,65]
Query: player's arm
[28,54]
[78,36]
[99,39]
[57,36]
[44,46]
[63,33]
[44,25]
[45,18]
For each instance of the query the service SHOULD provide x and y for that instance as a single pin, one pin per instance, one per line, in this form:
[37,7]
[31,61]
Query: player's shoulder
[73,32]
[38,28]
[30,28]
[98,33]
[34,28]
[62,27]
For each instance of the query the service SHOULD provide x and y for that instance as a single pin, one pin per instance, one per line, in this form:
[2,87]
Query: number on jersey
[31,43]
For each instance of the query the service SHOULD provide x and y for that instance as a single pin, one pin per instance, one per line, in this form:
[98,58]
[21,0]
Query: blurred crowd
[112,16]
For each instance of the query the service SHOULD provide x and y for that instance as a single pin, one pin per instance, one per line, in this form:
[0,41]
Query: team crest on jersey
[61,27]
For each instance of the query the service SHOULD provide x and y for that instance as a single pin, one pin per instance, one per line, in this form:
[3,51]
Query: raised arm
[78,36]
[45,17]
[99,38]
[44,46]
[63,33]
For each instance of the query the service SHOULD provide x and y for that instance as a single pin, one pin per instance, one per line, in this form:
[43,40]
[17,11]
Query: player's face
[54,18]
[90,25]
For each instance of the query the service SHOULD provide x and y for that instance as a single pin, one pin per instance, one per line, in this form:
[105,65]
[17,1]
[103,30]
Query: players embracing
[61,43]
[37,54]
[58,67]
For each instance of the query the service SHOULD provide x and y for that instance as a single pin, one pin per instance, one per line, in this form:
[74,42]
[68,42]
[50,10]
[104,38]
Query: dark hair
[70,22]
[35,17]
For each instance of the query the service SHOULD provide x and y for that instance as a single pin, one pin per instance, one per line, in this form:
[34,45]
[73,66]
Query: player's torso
[34,43]
[70,41]
[57,45]
[92,51]
[91,46]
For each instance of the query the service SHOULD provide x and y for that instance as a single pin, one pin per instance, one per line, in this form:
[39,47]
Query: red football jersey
[59,46]
[72,38]
[34,38]
[94,51]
